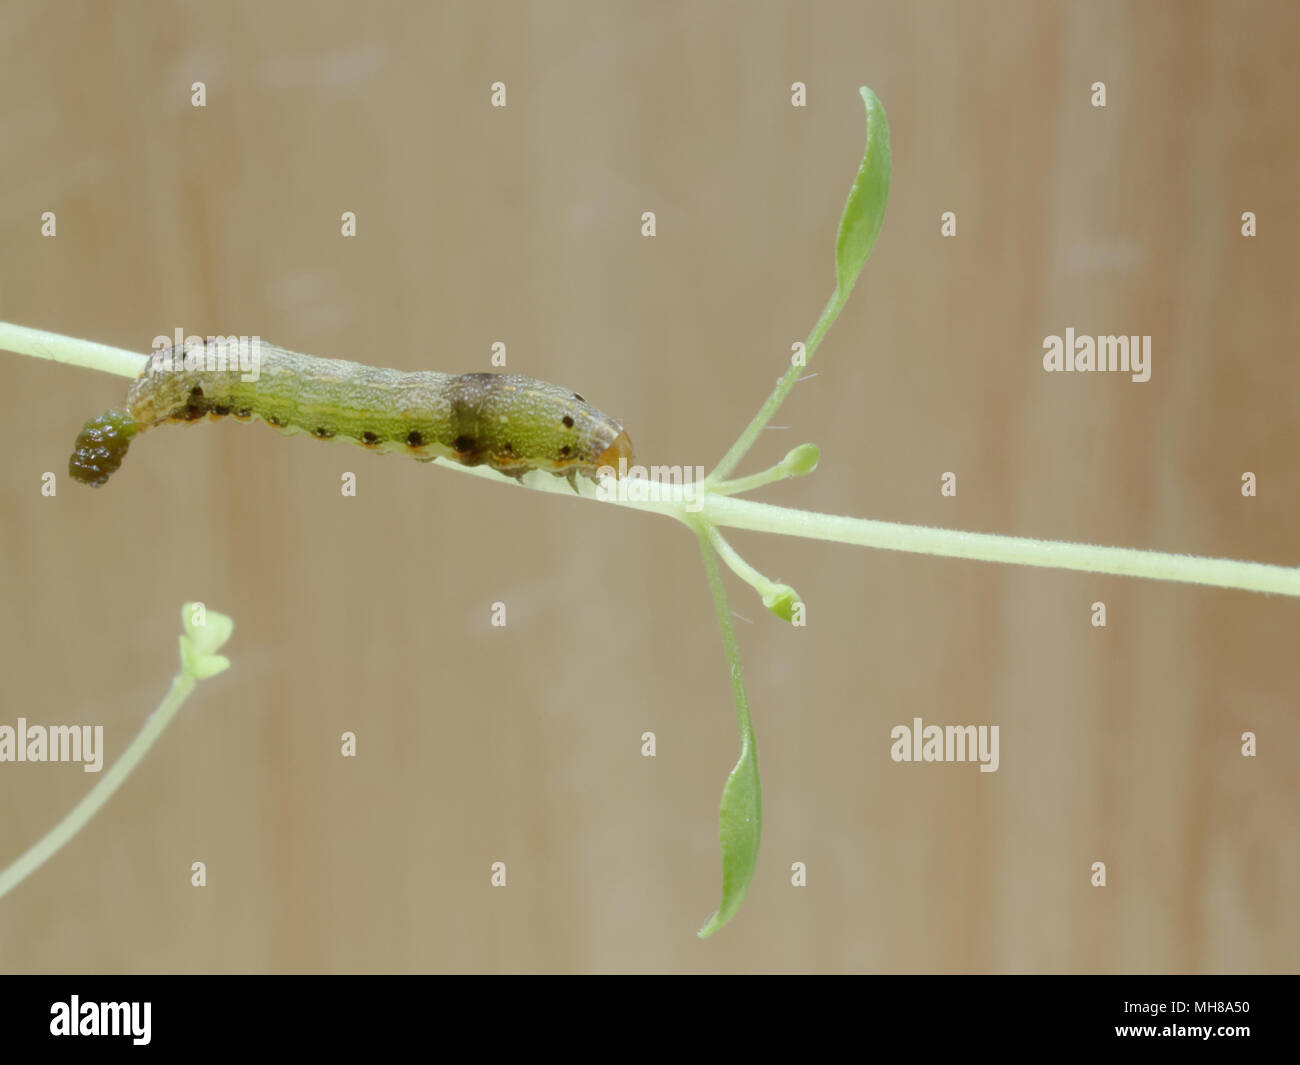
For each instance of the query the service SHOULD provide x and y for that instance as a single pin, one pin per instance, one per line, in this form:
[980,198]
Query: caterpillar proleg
[513,424]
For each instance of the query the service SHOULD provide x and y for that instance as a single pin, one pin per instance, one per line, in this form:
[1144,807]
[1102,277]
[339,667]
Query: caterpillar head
[619,450]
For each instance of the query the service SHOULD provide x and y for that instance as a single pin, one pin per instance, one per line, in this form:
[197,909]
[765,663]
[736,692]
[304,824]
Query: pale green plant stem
[745,441]
[988,547]
[741,485]
[735,563]
[730,511]
[205,632]
[182,684]
[85,353]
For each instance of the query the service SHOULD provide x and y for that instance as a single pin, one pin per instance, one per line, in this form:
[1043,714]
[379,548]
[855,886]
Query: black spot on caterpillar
[513,424]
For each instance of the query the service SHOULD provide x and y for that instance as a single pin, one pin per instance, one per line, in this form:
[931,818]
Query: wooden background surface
[521,744]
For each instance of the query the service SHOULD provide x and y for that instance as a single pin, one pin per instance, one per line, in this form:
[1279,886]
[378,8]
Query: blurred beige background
[521,744]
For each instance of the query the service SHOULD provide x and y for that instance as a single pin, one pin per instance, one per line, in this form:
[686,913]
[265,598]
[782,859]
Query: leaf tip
[864,213]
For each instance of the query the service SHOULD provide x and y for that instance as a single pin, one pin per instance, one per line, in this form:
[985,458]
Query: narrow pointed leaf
[740,827]
[864,213]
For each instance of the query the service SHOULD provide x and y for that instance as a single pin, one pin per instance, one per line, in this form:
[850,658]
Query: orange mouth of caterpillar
[621,448]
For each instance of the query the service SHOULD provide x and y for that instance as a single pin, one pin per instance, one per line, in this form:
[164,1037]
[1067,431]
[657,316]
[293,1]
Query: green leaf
[864,213]
[740,827]
[200,642]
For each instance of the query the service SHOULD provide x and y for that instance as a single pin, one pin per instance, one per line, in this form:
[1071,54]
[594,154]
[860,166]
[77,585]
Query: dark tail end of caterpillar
[101,447]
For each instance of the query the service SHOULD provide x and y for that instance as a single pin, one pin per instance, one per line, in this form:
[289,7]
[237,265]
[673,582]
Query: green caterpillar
[513,424]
